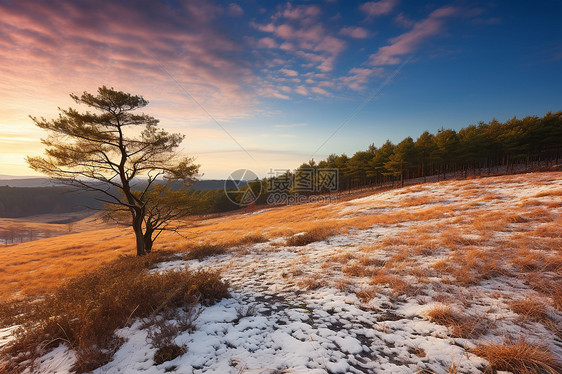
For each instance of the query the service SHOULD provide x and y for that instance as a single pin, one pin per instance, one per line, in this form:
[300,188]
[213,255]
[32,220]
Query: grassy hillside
[454,276]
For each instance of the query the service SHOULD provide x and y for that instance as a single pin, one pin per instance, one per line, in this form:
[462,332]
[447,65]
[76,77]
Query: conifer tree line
[493,147]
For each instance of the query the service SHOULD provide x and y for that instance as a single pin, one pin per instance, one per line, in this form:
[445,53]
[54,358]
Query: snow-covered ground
[298,310]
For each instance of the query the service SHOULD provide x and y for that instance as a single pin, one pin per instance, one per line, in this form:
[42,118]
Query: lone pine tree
[110,151]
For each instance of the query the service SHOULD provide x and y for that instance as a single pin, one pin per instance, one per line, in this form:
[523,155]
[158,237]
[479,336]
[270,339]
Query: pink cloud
[286,46]
[62,47]
[355,32]
[303,34]
[301,11]
[378,8]
[412,40]
[301,90]
[320,91]
[266,43]
[289,72]
[359,77]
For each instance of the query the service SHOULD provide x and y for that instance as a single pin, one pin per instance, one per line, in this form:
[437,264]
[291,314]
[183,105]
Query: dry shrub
[317,234]
[252,239]
[168,353]
[86,310]
[519,357]
[530,309]
[202,251]
[161,334]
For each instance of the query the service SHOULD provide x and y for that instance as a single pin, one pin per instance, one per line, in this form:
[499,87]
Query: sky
[269,85]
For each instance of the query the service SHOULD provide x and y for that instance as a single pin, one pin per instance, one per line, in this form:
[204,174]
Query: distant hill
[4,176]
[6,180]
[33,196]
[203,185]
[16,202]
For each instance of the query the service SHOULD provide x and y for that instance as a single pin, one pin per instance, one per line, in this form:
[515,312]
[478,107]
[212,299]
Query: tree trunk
[148,243]
[137,228]
[147,238]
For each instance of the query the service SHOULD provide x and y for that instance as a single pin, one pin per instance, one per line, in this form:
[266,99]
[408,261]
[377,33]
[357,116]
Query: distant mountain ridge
[33,196]
[202,185]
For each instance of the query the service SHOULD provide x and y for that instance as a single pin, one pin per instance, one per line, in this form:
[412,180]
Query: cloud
[301,90]
[355,32]
[410,41]
[234,10]
[378,8]
[266,42]
[301,12]
[320,91]
[305,35]
[359,77]
[71,47]
[289,72]
[403,21]
[51,49]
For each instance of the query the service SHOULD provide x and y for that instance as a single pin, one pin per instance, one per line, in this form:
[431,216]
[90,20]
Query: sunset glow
[263,85]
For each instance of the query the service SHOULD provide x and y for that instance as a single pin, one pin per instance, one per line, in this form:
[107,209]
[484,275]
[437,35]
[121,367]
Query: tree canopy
[111,151]
[517,144]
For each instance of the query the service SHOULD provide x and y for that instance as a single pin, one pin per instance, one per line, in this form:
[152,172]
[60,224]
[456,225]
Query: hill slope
[402,281]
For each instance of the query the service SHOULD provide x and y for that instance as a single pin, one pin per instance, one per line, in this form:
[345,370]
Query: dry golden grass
[461,325]
[530,309]
[86,310]
[366,294]
[36,268]
[419,200]
[341,257]
[359,269]
[550,193]
[312,282]
[472,265]
[317,234]
[519,357]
